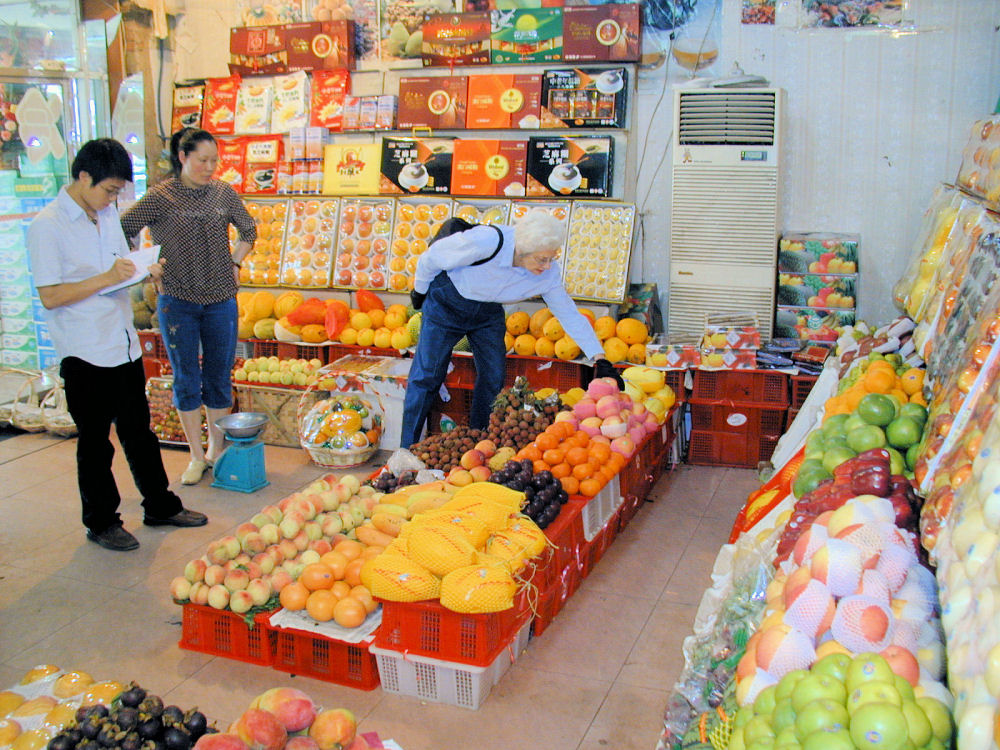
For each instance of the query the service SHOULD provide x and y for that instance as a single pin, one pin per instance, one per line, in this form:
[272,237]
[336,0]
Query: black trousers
[98,397]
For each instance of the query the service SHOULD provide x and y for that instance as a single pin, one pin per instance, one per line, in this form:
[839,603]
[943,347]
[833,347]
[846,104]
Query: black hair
[102,158]
[185,141]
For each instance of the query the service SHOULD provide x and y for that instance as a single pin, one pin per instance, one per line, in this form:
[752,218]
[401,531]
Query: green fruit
[877,409]
[914,411]
[874,691]
[939,716]
[834,425]
[758,727]
[806,481]
[820,715]
[834,665]
[835,457]
[765,702]
[872,356]
[911,456]
[817,687]
[828,739]
[786,737]
[413,44]
[787,683]
[816,440]
[736,740]
[897,464]
[742,716]
[783,715]
[853,422]
[867,667]
[879,726]
[902,432]
[761,743]
[919,725]
[865,438]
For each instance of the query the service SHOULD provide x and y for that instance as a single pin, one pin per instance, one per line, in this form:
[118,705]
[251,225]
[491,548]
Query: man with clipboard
[78,250]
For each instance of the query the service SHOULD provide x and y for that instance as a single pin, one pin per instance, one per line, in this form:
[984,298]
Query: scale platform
[241,466]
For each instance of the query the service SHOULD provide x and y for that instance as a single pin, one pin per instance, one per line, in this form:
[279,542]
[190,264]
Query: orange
[880,380]
[539,466]
[608,472]
[316,576]
[340,589]
[570,484]
[364,596]
[349,548]
[349,612]
[336,562]
[580,438]
[561,470]
[590,487]
[547,441]
[577,456]
[880,364]
[532,452]
[912,381]
[320,605]
[352,576]
[852,396]
[294,596]
[582,471]
[900,394]
[617,460]
[554,456]
[599,452]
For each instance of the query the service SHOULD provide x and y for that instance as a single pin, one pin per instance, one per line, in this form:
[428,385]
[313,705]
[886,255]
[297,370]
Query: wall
[875,121]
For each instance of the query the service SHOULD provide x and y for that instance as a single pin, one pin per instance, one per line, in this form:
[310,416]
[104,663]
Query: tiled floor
[598,677]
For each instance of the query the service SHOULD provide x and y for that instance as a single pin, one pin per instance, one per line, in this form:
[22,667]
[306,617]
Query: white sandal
[194,471]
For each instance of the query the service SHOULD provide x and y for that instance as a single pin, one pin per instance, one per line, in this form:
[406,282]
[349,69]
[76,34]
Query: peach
[313,529]
[613,427]
[260,591]
[263,561]
[320,546]
[637,433]
[301,540]
[359,743]
[316,500]
[285,503]
[303,507]
[240,601]
[241,559]
[279,579]
[301,742]
[332,524]
[253,570]
[194,571]
[607,406]
[334,729]
[199,593]
[585,407]
[293,708]
[343,490]
[623,445]
[243,529]
[566,416]
[274,552]
[218,553]
[330,500]
[254,543]
[273,512]
[480,473]
[236,580]
[220,741]
[288,549]
[599,387]
[232,545]
[472,458]
[459,477]
[352,483]
[347,516]
[487,447]
[180,589]
[214,575]
[308,557]
[260,730]
[289,527]
[260,520]
[218,597]
[591,425]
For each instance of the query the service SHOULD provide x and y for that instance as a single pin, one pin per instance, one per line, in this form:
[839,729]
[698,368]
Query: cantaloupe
[604,327]
[413,326]
[566,348]
[636,354]
[524,344]
[553,330]
[314,334]
[615,349]
[261,305]
[517,323]
[632,331]
[263,329]
[545,347]
[287,302]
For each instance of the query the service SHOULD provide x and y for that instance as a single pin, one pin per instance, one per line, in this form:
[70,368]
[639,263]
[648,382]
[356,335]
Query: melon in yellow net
[439,548]
[397,579]
[526,533]
[504,548]
[478,589]
[494,515]
[496,493]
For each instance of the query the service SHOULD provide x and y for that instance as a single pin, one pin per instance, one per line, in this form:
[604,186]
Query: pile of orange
[582,464]
[331,589]
[879,377]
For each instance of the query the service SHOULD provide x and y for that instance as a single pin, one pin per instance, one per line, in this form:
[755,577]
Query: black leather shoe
[114,538]
[185,518]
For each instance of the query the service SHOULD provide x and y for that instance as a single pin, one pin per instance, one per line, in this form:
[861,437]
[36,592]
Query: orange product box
[262,157]
[503,101]
[257,50]
[489,167]
[219,115]
[601,33]
[320,45]
[186,111]
[232,162]
[300,176]
[284,178]
[329,88]
[437,102]
[367,112]
[352,113]
[456,39]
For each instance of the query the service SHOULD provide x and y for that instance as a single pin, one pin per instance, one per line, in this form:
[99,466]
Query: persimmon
[320,605]
[294,596]
[570,484]
[590,487]
[576,456]
[553,456]
[582,471]
[559,471]
[546,442]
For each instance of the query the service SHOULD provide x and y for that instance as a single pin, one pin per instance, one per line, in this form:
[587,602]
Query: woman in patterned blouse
[189,216]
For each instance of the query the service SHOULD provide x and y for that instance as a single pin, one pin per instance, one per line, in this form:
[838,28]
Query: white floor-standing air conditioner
[725,204]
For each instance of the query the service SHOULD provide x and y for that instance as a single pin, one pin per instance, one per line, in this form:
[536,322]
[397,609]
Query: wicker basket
[26,411]
[312,399]
[12,379]
[55,413]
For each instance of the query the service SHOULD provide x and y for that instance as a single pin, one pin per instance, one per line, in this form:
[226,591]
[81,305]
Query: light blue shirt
[66,247]
[499,280]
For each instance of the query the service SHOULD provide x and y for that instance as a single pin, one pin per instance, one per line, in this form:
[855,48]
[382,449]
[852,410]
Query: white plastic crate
[438,681]
[599,509]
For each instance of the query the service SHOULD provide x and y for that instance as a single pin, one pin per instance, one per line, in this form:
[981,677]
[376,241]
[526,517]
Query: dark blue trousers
[447,317]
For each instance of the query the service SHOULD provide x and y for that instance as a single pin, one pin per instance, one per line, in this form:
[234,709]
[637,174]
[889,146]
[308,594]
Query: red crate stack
[737,416]
[542,372]
[154,354]
[300,652]
[458,408]
[221,632]
[801,386]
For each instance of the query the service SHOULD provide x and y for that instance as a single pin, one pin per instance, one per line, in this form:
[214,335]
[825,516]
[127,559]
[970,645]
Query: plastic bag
[403,460]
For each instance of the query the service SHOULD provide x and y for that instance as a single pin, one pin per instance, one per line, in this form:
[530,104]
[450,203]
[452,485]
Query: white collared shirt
[499,280]
[66,247]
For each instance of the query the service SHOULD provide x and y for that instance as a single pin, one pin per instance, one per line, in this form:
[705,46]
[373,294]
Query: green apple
[787,683]
[815,687]
[879,726]
[920,727]
[873,692]
[905,691]
[939,716]
[829,739]
[783,715]
[834,665]
[742,716]
[852,422]
[786,736]
[822,714]
[757,727]
[765,702]
[867,667]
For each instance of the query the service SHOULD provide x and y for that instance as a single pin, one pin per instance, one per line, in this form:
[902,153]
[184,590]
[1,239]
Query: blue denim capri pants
[190,329]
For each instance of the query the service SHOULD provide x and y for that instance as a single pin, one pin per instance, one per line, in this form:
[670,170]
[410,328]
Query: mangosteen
[108,736]
[131,741]
[172,715]
[563,496]
[512,466]
[195,722]
[74,734]
[86,744]
[546,476]
[133,696]
[99,710]
[61,742]
[150,728]
[533,509]
[90,727]
[515,484]
[176,738]
[152,705]
[529,493]
[127,718]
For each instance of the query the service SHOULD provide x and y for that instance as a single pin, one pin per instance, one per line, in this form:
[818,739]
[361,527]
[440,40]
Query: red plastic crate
[299,652]
[458,409]
[303,351]
[152,344]
[429,629]
[566,536]
[542,372]
[801,385]
[709,448]
[221,632]
[463,372]
[792,414]
[550,601]
[675,379]
[264,347]
[738,419]
[642,470]
[155,368]
[762,387]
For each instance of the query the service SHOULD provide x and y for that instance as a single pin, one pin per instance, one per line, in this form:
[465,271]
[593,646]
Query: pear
[413,44]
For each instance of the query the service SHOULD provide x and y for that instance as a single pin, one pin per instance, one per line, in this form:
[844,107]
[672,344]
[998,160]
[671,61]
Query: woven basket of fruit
[339,429]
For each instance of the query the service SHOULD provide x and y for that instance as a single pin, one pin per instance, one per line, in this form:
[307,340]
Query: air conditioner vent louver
[721,118]
[687,305]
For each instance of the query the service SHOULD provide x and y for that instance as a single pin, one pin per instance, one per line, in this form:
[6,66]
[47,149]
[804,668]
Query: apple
[835,665]
[788,682]
[820,715]
[783,715]
[816,687]
[920,729]
[940,718]
[867,667]
[758,727]
[829,739]
[879,726]
[765,702]
[873,692]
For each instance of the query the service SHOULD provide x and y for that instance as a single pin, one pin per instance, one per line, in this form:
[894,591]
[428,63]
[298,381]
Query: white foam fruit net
[894,563]
[875,585]
[862,624]
[811,540]
[868,538]
[844,567]
[904,634]
[919,586]
[812,609]
[795,652]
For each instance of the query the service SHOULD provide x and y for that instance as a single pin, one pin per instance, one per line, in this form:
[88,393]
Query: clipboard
[143,258]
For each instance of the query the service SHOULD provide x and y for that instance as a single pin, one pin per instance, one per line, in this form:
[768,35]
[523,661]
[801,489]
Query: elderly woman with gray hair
[461,284]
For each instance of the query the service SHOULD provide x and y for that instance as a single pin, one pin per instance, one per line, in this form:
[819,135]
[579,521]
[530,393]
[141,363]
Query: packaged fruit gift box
[817,252]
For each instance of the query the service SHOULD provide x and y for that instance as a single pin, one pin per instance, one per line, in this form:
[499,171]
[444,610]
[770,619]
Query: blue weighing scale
[241,465]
